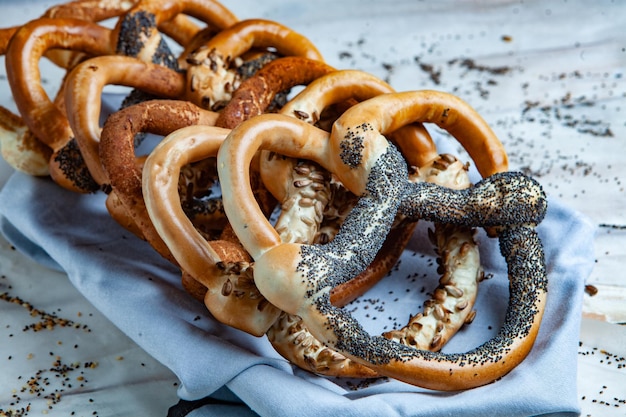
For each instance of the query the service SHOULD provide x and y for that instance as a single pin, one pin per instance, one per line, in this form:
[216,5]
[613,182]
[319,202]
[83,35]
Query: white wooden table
[549,76]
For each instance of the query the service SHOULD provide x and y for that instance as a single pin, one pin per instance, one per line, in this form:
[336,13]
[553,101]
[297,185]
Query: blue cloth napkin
[141,294]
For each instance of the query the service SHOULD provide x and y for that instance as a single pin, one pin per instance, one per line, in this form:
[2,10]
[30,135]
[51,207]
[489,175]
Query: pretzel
[296,277]
[223,267]
[117,154]
[308,105]
[89,10]
[41,115]
[20,149]
[336,87]
[210,80]
[135,34]
[83,98]
[451,304]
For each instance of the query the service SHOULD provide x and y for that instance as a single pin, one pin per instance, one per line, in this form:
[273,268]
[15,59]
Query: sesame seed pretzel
[121,165]
[298,278]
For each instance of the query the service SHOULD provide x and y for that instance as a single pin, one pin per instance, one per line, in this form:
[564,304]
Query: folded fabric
[238,374]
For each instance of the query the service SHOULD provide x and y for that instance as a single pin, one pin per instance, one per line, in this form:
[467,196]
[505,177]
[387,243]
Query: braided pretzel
[210,80]
[297,278]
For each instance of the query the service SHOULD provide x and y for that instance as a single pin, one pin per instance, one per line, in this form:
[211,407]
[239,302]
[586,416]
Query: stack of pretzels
[279,208]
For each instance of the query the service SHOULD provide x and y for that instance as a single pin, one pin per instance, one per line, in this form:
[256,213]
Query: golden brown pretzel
[24,151]
[117,153]
[209,263]
[221,266]
[258,91]
[370,167]
[255,94]
[89,10]
[210,77]
[85,84]
[36,38]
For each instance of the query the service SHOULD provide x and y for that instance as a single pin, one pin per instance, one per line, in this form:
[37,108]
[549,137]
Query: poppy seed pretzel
[20,147]
[291,338]
[46,120]
[139,30]
[305,192]
[304,215]
[135,34]
[298,278]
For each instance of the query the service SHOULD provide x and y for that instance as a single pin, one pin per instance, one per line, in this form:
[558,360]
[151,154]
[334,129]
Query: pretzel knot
[298,278]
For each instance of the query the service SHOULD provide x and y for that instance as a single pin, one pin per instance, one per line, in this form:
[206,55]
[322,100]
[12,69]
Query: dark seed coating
[507,198]
[72,164]
[359,239]
[135,29]
[363,231]
[352,145]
